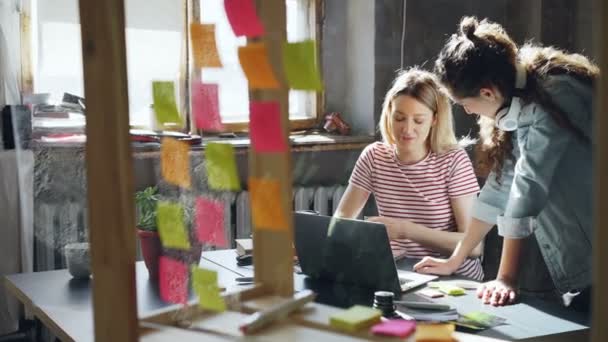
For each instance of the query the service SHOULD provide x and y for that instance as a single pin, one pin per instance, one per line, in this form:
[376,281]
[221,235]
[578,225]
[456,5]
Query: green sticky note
[170,222]
[355,318]
[221,167]
[165,106]
[481,320]
[205,285]
[301,67]
[451,290]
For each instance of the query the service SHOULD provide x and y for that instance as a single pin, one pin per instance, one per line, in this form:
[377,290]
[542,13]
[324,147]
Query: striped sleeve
[462,180]
[362,173]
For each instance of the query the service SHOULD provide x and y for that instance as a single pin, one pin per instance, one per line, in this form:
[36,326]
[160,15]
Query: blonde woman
[423,183]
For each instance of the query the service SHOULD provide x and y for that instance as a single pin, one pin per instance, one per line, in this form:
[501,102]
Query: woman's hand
[497,292]
[438,266]
[396,228]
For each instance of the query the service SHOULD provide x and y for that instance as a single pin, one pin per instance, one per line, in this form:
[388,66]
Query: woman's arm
[473,236]
[442,241]
[352,202]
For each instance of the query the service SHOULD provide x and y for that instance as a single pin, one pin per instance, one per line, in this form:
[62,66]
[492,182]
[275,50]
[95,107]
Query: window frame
[316,17]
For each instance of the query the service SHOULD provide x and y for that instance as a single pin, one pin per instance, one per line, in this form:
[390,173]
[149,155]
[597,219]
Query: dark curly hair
[482,55]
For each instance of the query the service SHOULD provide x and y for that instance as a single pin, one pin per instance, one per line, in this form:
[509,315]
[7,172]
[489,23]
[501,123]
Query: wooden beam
[273,252]
[27,78]
[599,329]
[109,170]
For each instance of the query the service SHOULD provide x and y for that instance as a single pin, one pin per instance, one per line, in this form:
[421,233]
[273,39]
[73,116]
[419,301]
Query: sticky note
[173,280]
[434,332]
[394,327]
[265,127]
[170,222]
[221,168]
[451,290]
[355,318]
[243,18]
[165,106]
[175,162]
[210,221]
[267,211]
[301,67]
[204,283]
[257,68]
[205,106]
[204,48]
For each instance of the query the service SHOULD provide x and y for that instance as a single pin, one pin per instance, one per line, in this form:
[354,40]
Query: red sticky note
[395,327]
[265,127]
[205,105]
[243,18]
[173,280]
[210,221]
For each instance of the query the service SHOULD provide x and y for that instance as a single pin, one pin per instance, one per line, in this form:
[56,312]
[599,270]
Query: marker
[262,318]
[423,305]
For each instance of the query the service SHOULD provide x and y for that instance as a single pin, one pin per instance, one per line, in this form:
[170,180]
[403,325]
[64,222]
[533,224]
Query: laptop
[350,251]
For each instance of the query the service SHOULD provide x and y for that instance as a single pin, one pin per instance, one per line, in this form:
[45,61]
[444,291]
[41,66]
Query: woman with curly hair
[535,107]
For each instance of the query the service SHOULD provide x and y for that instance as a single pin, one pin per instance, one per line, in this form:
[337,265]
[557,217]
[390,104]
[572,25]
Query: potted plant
[151,248]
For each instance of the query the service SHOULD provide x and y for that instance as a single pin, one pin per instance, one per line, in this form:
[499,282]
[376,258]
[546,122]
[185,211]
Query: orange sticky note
[267,210]
[301,67]
[170,222]
[204,48]
[175,162]
[256,66]
[173,280]
[204,283]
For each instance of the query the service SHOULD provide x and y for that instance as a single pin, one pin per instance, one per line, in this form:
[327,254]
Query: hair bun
[468,26]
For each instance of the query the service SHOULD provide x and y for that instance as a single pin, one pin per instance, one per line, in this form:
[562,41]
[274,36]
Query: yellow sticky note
[170,222]
[205,285]
[301,67]
[355,318]
[175,162]
[451,290]
[255,64]
[267,210]
[434,332]
[165,106]
[204,47]
[221,167]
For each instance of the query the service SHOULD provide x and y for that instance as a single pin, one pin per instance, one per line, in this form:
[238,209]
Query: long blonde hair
[425,88]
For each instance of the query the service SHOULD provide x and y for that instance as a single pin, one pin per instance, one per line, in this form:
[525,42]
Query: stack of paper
[429,315]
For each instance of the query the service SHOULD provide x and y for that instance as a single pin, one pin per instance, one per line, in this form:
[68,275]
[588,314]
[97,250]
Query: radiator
[57,224]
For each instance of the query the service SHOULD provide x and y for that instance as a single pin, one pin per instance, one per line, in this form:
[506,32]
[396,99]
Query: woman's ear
[487,94]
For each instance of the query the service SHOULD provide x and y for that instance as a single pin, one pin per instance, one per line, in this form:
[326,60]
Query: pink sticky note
[395,327]
[173,280]
[205,105]
[210,221]
[243,18]
[265,127]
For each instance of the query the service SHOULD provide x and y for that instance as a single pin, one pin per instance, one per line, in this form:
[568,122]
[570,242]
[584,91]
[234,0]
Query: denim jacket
[547,191]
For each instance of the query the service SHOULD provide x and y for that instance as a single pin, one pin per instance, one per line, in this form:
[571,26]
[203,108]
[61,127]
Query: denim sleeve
[541,151]
[493,197]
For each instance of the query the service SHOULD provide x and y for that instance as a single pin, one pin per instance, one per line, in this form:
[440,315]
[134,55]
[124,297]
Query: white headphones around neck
[506,118]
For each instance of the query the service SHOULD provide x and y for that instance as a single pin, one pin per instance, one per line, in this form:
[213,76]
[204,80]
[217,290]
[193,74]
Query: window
[155,38]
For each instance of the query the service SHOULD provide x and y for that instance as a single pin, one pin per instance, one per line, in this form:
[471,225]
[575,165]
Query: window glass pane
[233,90]
[154,38]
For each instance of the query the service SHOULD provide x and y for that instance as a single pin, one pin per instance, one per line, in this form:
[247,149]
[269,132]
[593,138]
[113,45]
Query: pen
[260,319]
[423,305]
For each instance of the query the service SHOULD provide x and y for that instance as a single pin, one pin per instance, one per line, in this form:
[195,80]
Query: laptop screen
[344,250]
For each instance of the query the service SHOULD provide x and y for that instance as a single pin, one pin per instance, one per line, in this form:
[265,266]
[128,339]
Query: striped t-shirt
[419,192]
